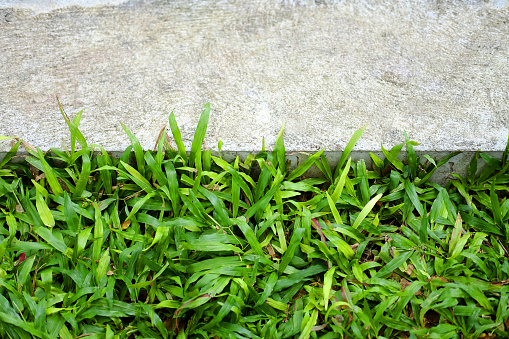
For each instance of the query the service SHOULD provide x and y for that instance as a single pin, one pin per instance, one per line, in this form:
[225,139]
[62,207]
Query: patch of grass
[188,245]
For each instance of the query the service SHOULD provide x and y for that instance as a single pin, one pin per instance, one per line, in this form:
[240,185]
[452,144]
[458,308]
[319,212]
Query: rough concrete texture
[439,70]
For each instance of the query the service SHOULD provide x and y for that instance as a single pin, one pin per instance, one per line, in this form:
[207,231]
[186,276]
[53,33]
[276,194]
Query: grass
[179,244]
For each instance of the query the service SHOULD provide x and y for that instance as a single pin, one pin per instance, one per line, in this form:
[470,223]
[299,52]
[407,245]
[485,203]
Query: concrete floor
[439,70]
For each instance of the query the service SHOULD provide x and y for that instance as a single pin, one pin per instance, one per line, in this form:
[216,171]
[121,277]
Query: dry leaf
[271,251]
[410,269]
[440,278]
[404,284]
[159,137]
[214,187]
[40,176]
[27,146]
[126,224]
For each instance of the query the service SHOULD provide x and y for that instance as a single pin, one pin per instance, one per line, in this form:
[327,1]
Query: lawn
[178,243]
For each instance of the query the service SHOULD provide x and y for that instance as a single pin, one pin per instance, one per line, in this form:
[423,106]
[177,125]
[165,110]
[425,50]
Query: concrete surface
[439,70]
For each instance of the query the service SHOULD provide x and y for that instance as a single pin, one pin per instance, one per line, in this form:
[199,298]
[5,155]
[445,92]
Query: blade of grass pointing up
[412,158]
[81,185]
[171,175]
[73,128]
[178,137]
[348,149]
[199,135]
[50,174]
[323,166]
[341,182]
[495,205]
[157,172]
[279,151]
[138,150]
[104,159]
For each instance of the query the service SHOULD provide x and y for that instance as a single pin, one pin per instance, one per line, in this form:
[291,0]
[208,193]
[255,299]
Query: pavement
[437,70]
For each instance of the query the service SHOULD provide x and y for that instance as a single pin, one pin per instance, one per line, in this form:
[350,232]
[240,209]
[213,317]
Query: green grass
[178,244]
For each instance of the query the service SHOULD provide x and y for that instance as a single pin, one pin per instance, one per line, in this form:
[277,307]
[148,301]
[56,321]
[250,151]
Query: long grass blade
[199,135]
[348,149]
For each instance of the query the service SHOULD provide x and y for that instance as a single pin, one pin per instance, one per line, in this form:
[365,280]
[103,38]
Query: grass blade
[222,213]
[327,286]
[412,195]
[136,177]
[250,236]
[199,135]
[76,134]
[412,158]
[365,211]
[440,163]
[12,152]
[138,150]
[81,185]
[341,182]
[178,138]
[98,234]
[44,211]
[292,247]
[53,241]
[279,153]
[394,264]
[333,209]
[156,169]
[304,166]
[398,164]
[348,149]
[50,175]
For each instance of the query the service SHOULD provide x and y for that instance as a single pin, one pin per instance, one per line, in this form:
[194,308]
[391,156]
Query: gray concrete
[439,70]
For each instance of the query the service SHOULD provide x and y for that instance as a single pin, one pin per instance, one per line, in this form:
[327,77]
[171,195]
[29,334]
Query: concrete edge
[457,164]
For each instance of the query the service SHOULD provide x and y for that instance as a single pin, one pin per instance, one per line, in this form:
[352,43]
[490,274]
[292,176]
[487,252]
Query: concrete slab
[46,6]
[438,70]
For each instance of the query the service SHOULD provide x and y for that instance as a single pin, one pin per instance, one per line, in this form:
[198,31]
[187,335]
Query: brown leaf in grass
[163,129]
[431,319]
[391,251]
[440,278]
[34,171]
[19,208]
[404,284]
[214,187]
[501,283]
[168,141]
[40,176]
[126,224]
[271,251]
[27,146]
[410,269]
